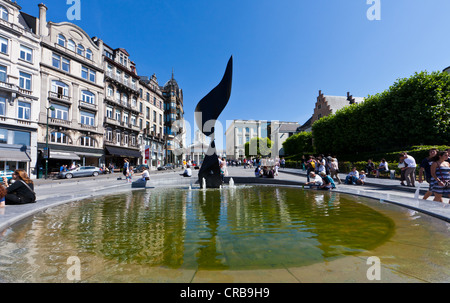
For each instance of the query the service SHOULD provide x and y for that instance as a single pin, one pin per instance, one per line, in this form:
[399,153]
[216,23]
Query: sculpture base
[210,171]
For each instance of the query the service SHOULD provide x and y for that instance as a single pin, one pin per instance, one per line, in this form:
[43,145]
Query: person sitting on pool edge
[316,180]
[21,191]
[328,182]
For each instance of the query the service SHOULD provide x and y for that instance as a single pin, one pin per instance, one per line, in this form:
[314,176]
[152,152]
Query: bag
[34,194]
[446,182]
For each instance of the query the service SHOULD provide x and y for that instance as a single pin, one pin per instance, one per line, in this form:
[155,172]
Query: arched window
[4,13]
[71,45]
[62,40]
[87,142]
[89,54]
[60,88]
[61,138]
[88,97]
[80,50]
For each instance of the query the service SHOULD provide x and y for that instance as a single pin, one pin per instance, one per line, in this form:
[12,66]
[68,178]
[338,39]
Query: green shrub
[414,111]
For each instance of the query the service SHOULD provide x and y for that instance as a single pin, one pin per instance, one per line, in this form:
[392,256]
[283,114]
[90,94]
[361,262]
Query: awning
[123,152]
[14,155]
[93,155]
[63,155]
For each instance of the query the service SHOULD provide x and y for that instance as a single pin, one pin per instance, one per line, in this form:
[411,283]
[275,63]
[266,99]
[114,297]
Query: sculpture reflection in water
[207,112]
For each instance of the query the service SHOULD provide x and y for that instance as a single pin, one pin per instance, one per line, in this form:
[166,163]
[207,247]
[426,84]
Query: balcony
[122,81]
[86,105]
[88,127]
[6,85]
[112,121]
[58,122]
[59,97]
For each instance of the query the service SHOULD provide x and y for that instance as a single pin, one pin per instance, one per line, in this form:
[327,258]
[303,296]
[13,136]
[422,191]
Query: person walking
[334,170]
[425,167]
[410,170]
[440,176]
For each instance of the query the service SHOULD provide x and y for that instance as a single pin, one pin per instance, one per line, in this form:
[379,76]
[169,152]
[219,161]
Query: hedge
[414,111]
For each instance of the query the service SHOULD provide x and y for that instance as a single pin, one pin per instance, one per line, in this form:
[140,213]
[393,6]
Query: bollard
[392,174]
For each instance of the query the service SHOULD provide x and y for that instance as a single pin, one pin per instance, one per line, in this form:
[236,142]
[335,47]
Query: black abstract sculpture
[207,112]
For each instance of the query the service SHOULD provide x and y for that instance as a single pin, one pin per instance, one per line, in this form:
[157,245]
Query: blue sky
[284,51]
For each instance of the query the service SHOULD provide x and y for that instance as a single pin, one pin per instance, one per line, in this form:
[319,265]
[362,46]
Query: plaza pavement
[51,193]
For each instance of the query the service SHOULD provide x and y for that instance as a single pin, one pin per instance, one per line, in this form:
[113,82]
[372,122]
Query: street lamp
[46,154]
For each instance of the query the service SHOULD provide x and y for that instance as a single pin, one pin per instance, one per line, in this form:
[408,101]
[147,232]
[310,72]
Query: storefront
[70,156]
[15,157]
[117,155]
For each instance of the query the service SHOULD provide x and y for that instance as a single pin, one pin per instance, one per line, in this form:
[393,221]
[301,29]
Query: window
[154,117]
[2,106]
[160,119]
[87,118]
[60,88]
[61,40]
[71,45]
[133,141]
[88,97]
[3,45]
[108,55]
[88,74]
[60,112]
[118,115]
[118,137]
[109,112]
[133,120]
[147,113]
[89,54]
[118,96]
[25,81]
[125,118]
[80,50]
[92,75]
[125,139]
[84,72]
[4,13]
[24,111]
[133,101]
[110,91]
[109,135]
[26,53]
[148,97]
[3,73]
[58,137]
[61,63]
[87,141]
[21,138]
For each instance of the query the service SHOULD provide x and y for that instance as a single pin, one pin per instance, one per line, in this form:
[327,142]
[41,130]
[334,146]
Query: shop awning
[123,152]
[92,155]
[63,155]
[14,155]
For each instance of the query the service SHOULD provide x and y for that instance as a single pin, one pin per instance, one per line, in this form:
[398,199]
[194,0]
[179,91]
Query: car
[166,167]
[82,171]
[140,168]
[6,173]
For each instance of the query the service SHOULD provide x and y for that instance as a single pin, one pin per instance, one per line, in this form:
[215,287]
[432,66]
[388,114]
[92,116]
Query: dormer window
[123,59]
[80,50]
[89,54]
[62,40]
[4,13]
[71,45]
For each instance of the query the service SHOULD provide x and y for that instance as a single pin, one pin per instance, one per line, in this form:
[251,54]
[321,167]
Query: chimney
[43,31]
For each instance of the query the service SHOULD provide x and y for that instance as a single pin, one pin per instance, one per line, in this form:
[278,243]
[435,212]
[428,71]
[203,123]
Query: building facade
[242,131]
[121,108]
[19,89]
[174,126]
[151,122]
[71,93]
[327,105]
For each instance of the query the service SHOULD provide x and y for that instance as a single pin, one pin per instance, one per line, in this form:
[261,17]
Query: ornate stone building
[71,93]
[174,124]
[151,122]
[122,111]
[19,88]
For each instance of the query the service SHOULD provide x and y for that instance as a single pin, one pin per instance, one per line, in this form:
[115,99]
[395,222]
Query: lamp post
[46,154]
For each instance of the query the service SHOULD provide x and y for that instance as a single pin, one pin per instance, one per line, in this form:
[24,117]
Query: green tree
[261,147]
[298,143]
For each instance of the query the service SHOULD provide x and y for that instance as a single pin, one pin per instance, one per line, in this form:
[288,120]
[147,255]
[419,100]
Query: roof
[338,102]
[289,128]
